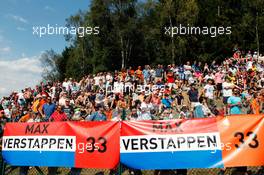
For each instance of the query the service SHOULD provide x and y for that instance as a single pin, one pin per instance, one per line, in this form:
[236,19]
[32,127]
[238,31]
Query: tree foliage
[132,33]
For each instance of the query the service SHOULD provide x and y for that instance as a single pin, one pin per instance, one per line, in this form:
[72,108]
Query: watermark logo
[191,30]
[41,31]
[128,88]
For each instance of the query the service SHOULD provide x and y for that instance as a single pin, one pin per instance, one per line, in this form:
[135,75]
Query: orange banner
[242,140]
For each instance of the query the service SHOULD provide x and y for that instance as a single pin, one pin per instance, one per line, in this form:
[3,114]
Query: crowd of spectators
[191,90]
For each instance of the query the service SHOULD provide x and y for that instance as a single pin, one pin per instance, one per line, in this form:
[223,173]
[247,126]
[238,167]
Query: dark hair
[137,102]
[201,99]
[62,107]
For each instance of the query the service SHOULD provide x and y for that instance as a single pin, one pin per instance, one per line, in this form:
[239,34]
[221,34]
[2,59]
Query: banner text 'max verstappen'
[64,144]
[175,144]
[199,143]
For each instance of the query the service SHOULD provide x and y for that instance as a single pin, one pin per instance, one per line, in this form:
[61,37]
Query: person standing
[193,96]
[30,117]
[187,71]
[235,102]
[68,109]
[255,104]
[218,81]
[227,87]
[48,109]
[209,92]
[57,116]
[158,73]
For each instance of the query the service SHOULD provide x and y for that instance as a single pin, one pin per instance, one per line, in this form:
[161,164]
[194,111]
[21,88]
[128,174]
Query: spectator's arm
[253,110]
[51,117]
[188,100]
[182,102]
[41,111]
[229,105]
[176,102]
[202,92]
[22,119]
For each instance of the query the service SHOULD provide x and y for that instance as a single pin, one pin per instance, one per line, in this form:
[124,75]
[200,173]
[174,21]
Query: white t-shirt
[144,116]
[62,101]
[260,82]
[33,120]
[209,91]
[187,69]
[102,78]
[191,80]
[233,70]
[148,106]
[249,65]
[209,77]
[66,85]
[227,92]
[108,77]
[96,80]
[118,87]
[52,91]
[20,96]
[7,113]
[134,96]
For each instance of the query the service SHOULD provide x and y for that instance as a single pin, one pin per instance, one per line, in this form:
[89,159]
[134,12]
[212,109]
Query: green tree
[132,33]
[49,60]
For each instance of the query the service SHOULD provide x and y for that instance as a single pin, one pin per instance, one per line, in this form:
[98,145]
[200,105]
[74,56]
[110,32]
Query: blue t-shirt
[146,73]
[96,116]
[198,111]
[159,72]
[166,102]
[48,109]
[233,101]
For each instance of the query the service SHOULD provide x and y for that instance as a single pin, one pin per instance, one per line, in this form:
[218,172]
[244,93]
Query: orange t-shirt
[35,106]
[123,75]
[25,118]
[255,105]
[132,72]
[41,103]
[108,115]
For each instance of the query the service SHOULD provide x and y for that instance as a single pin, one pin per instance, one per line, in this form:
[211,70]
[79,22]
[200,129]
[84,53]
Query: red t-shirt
[58,117]
[170,78]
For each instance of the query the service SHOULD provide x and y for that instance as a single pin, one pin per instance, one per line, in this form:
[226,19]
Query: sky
[20,47]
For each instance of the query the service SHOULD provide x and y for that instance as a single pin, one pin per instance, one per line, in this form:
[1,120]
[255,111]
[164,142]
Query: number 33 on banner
[97,144]
[250,141]
[245,135]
